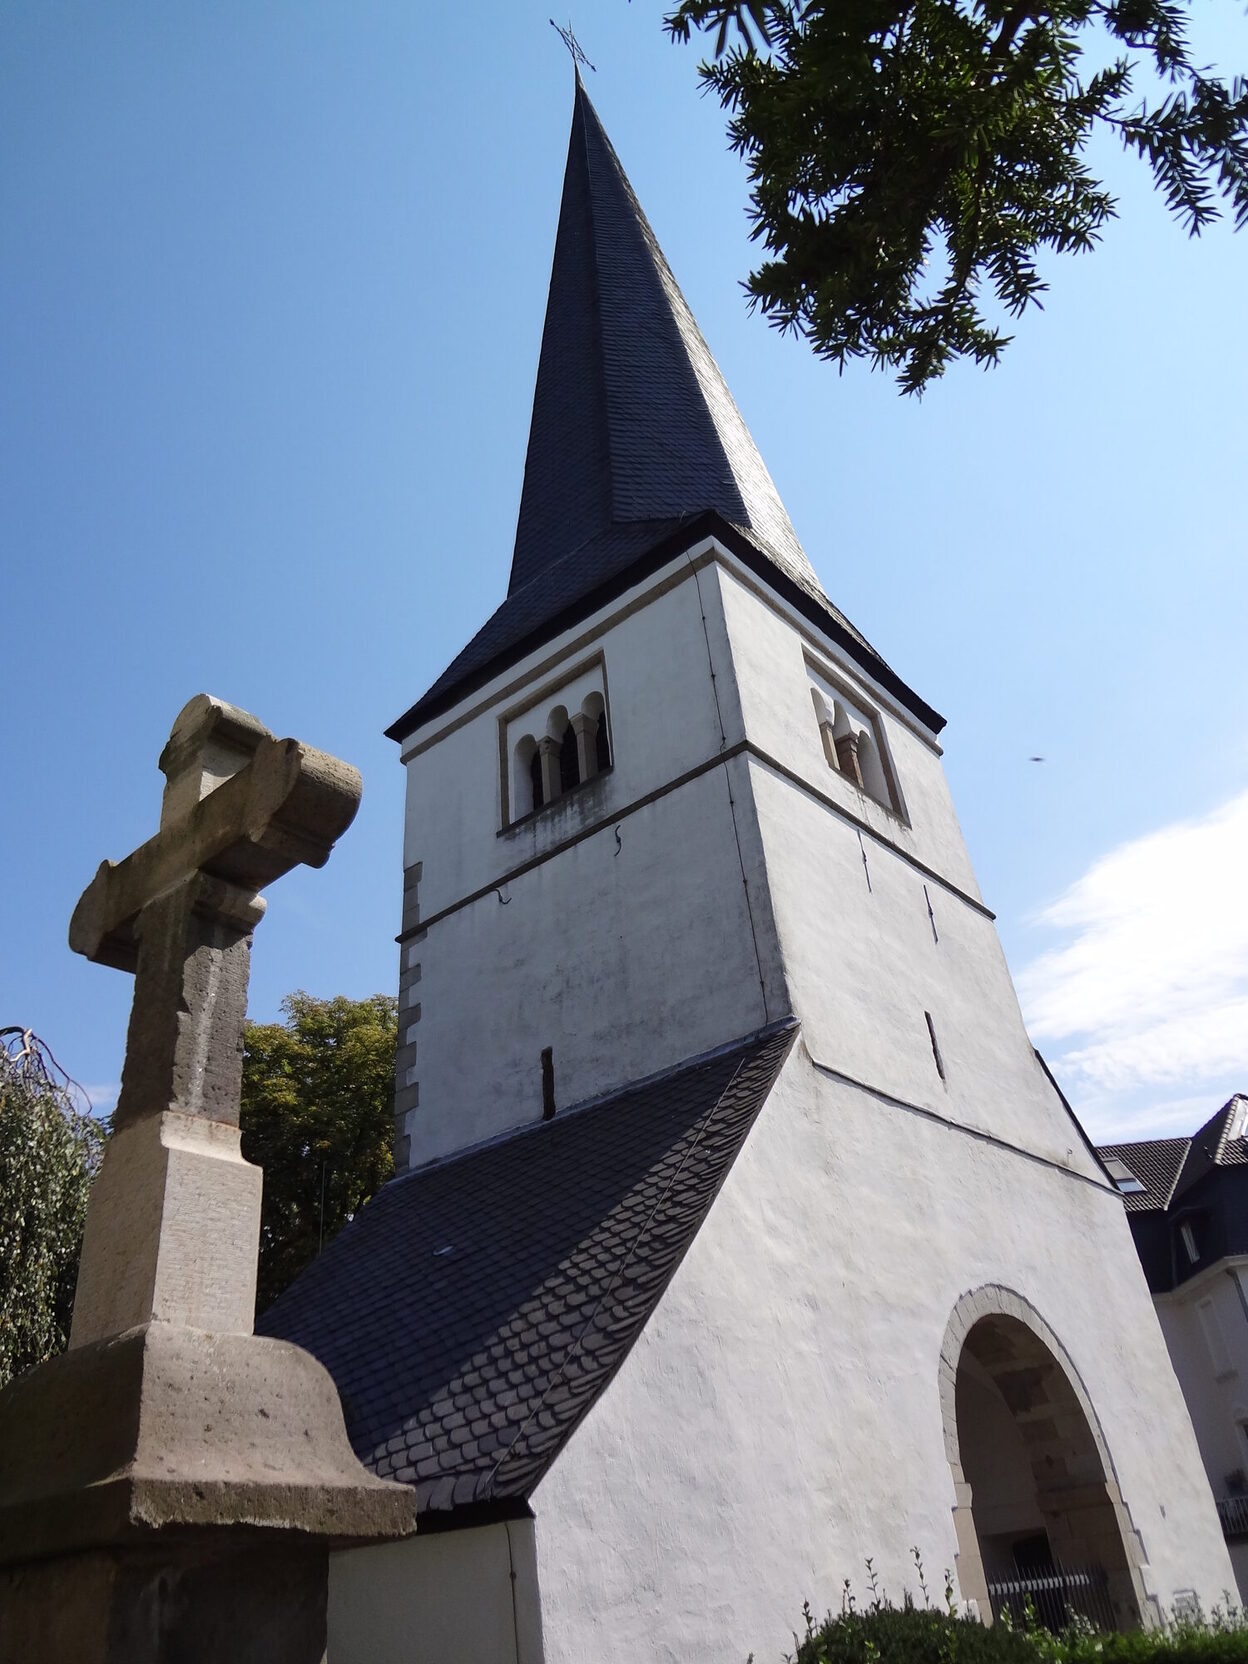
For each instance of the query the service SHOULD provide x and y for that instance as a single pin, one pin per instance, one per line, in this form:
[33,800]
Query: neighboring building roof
[1215,1144]
[634,438]
[474,1310]
[1192,1212]
[1156,1163]
[1169,1167]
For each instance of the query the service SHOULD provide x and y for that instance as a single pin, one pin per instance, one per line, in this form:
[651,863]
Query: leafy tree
[317,1115]
[50,1149]
[906,156]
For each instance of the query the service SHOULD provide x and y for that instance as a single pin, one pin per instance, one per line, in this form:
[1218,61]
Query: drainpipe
[1233,1273]
[515,1618]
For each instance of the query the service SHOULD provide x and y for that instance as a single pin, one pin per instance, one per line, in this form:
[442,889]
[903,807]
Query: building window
[1188,1238]
[555,746]
[853,744]
[1122,1176]
[1215,1338]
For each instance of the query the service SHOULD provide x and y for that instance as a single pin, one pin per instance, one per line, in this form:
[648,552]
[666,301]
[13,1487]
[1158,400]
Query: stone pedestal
[169,1496]
[178,1604]
[170,1184]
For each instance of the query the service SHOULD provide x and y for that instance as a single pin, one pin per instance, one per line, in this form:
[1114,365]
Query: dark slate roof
[632,420]
[635,441]
[1156,1163]
[474,1310]
[1213,1145]
[1170,1167]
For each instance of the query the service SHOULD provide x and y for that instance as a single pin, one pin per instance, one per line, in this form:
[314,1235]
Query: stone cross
[173,1227]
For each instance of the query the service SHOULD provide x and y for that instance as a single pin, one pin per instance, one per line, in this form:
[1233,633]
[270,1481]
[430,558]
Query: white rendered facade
[1205,1323]
[594,951]
[791,1407]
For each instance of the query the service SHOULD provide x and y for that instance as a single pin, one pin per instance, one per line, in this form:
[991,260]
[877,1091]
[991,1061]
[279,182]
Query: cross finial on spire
[573,45]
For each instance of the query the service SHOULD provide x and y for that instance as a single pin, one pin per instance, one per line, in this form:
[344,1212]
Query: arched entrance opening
[1039,1511]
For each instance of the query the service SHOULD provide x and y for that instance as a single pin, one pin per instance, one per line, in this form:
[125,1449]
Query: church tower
[584,873]
[741,1234]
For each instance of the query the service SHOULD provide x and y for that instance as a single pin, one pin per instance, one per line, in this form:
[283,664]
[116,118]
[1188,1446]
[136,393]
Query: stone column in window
[847,756]
[583,731]
[549,749]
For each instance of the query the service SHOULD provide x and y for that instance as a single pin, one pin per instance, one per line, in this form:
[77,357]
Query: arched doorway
[1038,1505]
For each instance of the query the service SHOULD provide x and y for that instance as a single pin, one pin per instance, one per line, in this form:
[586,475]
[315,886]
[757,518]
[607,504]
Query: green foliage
[882,1633]
[1222,1638]
[906,156]
[50,1148]
[317,1115]
[910,1635]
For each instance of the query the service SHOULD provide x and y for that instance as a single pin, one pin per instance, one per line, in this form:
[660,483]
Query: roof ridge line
[1179,1170]
[600,365]
[667,282]
[599,358]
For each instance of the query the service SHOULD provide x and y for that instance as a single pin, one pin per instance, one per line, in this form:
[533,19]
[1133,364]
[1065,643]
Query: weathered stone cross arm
[282,804]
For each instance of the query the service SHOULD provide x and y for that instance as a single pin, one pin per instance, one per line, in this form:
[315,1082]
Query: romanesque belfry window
[853,742]
[556,744]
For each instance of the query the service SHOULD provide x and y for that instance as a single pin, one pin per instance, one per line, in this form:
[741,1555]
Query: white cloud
[1143,1009]
[103,1099]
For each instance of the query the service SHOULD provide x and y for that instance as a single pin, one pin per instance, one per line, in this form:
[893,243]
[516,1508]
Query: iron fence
[1233,1512]
[1055,1597]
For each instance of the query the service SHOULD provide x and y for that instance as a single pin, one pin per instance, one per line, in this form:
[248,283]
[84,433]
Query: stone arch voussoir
[1049,1422]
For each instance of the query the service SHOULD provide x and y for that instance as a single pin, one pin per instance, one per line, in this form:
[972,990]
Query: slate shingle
[1156,1163]
[566,1235]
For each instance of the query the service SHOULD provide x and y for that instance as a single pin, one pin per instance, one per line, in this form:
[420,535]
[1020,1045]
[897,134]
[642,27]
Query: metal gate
[1055,1596]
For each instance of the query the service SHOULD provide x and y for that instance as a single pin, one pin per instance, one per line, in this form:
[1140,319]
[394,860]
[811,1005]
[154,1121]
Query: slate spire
[633,424]
[636,447]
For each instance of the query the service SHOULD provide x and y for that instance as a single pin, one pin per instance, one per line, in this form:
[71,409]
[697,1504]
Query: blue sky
[271,289]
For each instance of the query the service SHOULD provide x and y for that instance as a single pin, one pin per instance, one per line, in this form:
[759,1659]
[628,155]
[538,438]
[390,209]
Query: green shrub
[911,1635]
[882,1633]
[1224,1640]
[50,1148]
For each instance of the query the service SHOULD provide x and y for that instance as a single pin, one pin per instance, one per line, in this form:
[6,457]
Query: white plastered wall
[879,920]
[779,1419]
[447,1597]
[1214,1380]
[628,944]
[786,1389]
